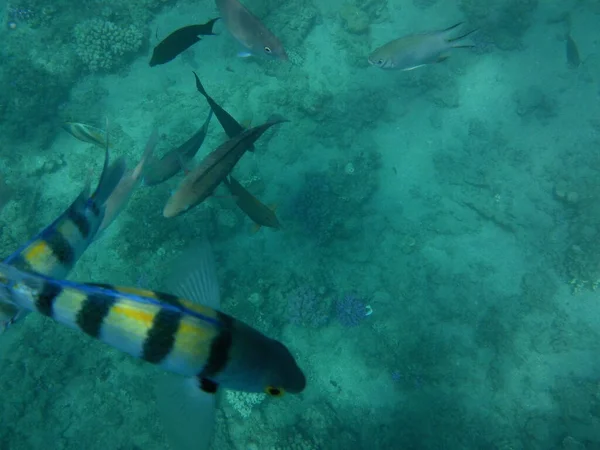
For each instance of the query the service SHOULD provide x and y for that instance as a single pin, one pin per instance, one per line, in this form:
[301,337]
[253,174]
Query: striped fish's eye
[274,391]
[268,50]
[380,62]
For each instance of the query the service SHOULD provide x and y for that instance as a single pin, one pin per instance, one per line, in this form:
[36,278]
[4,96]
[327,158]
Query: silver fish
[417,50]
[250,31]
[86,133]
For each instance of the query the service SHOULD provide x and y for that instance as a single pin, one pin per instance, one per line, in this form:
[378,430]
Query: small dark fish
[573,59]
[261,214]
[179,41]
[231,126]
[200,183]
[170,164]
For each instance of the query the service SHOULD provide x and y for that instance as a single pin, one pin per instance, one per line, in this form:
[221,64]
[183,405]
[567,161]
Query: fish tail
[199,86]
[210,25]
[111,175]
[452,27]
[16,285]
[150,146]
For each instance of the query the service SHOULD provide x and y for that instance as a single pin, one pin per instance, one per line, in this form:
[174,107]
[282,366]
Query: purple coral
[351,311]
[306,308]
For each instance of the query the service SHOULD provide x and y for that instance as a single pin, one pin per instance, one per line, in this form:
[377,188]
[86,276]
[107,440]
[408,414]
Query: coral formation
[102,45]
[307,308]
[350,310]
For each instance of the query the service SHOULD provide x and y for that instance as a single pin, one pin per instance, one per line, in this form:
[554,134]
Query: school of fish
[183,330]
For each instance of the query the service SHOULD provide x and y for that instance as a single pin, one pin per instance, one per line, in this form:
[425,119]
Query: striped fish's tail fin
[18,287]
[111,175]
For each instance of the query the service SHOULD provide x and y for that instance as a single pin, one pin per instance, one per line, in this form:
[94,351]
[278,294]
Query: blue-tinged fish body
[180,336]
[56,249]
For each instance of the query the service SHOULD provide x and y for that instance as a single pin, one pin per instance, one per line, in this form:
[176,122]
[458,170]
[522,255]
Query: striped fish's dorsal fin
[194,277]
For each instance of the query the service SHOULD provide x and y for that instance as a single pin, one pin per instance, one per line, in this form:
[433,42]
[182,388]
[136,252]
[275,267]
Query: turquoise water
[456,203]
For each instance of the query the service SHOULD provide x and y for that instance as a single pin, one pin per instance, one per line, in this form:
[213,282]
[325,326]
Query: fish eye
[268,50]
[380,62]
[274,391]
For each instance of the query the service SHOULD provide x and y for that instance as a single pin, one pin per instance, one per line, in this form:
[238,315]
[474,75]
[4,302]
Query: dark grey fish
[231,126]
[261,214]
[201,182]
[160,170]
[179,41]
[573,59]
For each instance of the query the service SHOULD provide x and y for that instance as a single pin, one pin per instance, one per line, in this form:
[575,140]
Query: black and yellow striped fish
[55,250]
[177,334]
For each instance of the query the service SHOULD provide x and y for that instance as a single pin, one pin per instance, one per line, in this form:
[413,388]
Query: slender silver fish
[86,133]
[250,31]
[417,50]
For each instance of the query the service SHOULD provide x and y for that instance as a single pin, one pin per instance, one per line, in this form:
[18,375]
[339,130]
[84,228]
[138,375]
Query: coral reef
[350,310]
[328,205]
[307,308]
[102,45]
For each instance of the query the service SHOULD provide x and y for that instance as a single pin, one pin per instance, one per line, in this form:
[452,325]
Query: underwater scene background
[436,269]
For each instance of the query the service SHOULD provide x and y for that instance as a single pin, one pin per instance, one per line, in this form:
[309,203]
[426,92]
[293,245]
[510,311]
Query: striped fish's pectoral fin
[256,228]
[208,386]
[187,413]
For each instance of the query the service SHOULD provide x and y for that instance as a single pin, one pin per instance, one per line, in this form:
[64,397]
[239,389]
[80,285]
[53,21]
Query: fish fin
[208,386]
[187,413]
[199,86]
[194,276]
[109,180]
[460,38]
[10,275]
[247,123]
[452,27]
[408,69]
[147,155]
[273,206]
[182,164]
[442,58]
[111,175]
[244,54]
[210,24]
[208,118]
[256,227]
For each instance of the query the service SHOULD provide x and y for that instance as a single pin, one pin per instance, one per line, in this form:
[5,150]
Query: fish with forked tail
[250,31]
[231,126]
[259,213]
[201,182]
[179,41]
[417,50]
[160,170]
